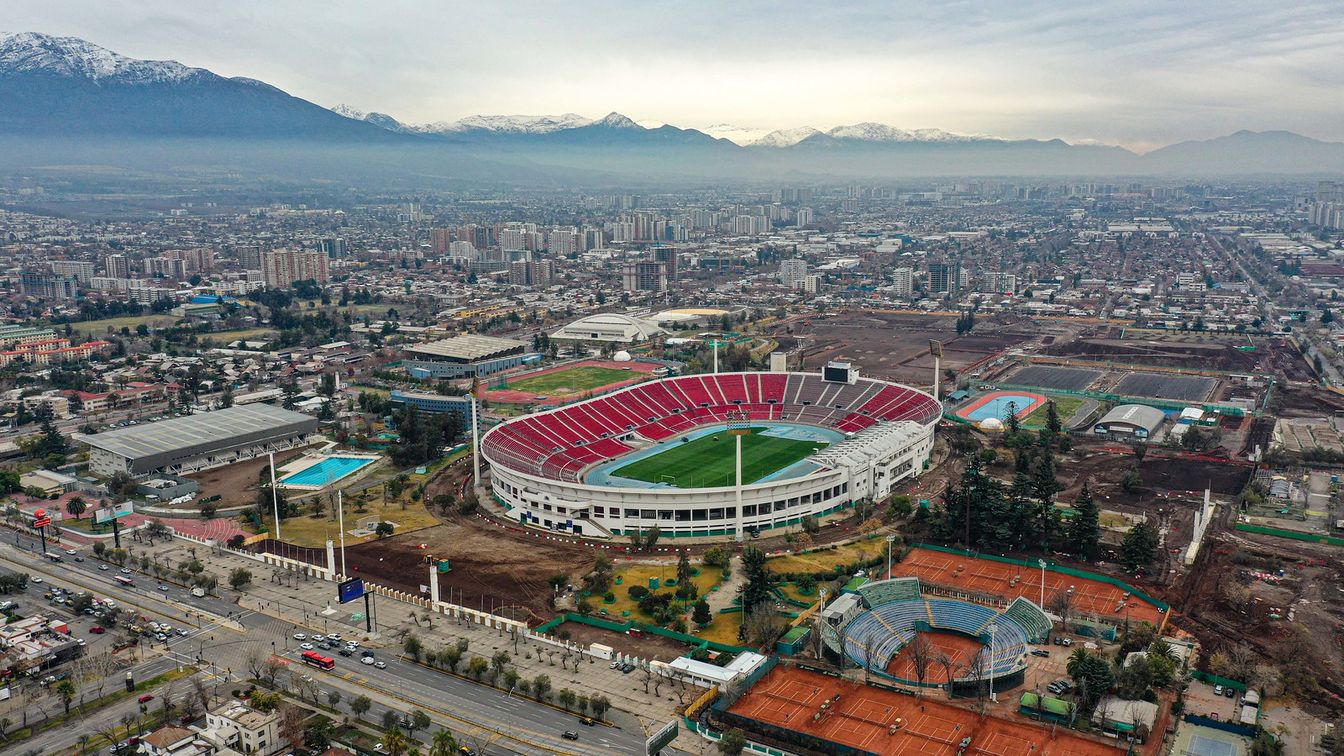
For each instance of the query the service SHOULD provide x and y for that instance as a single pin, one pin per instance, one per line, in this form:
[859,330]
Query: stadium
[875,627]
[661,454]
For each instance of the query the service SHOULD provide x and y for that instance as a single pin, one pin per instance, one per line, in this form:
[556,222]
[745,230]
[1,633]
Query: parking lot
[1200,699]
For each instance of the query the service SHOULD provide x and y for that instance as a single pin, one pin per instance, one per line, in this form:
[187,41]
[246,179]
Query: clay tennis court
[558,391]
[863,718]
[1010,581]
[960,649]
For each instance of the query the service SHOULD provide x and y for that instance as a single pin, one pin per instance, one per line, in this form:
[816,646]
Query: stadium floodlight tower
[936,351]
[739,425]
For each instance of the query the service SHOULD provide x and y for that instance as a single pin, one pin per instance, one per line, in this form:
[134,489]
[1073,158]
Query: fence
[1212,679]
[625,627]
[1293,534]
[1165,404]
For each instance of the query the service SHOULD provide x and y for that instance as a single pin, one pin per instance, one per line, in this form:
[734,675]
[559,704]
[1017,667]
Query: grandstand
[545,466]
[897,611]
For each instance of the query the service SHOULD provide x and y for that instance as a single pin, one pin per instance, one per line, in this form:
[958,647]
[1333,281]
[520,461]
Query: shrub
[638,592]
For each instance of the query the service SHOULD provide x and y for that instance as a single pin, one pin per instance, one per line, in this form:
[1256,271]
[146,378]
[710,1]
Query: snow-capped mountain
[739,135]
[880,132]
[511,124]
[785,137]
[30,52]
[63,85]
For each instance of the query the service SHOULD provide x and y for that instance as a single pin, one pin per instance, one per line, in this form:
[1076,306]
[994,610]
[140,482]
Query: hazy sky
[1136,73]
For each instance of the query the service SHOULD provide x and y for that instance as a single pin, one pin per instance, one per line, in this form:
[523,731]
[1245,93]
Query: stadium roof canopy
[204,429]
[608,326]
[466,348]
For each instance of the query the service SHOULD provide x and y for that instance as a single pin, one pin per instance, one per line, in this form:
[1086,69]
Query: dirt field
[491,569]
[895,347]
[237,484]
[862,717]
[649,646]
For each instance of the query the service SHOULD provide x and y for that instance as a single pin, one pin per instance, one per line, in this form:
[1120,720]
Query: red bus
[124,580]
[314,659]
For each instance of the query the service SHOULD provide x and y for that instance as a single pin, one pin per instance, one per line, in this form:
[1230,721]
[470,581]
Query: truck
[198,592]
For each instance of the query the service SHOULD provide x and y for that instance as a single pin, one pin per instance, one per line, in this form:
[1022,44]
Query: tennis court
[1051,377]
[1010,581]
[886,722]
[960,650]
[1197,740]
[1185,388]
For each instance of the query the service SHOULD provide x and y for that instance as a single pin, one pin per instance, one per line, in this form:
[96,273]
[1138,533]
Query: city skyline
[1083,74]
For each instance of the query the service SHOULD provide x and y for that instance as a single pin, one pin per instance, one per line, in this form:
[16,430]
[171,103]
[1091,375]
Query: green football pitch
[572,381]
[708,461]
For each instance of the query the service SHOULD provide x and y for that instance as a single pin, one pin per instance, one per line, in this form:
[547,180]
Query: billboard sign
[350,590]
[114,512]
[661,739]
[41,519]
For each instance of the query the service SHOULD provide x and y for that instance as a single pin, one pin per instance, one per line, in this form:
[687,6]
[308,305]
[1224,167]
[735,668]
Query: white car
[102,568]
[35,578]
[300,636]
[352,643]
[366,660]
[71,552]
[380,664]
[336,637]
[306,646]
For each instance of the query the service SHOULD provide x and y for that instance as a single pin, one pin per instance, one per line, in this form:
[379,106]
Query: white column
[434,586]
[331,558]
[738,443]
[340,523]
[275,498]
[475,445]
[937,374]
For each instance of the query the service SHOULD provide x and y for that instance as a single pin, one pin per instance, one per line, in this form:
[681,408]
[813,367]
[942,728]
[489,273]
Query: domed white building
[991,425]
[608,327]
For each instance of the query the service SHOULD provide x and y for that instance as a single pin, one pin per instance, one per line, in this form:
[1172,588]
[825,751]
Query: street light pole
[1041,562]
[890,540]
[992,695]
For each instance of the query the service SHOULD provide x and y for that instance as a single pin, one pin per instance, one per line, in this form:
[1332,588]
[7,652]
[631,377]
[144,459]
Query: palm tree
[395,742]
[444,744]
[1076,661]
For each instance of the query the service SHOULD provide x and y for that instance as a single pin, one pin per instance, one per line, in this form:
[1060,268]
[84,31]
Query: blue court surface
[328,470]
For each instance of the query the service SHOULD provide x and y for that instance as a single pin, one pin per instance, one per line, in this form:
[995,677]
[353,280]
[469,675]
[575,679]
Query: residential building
[81,270]
[903,282]
[280,268]
[644,275]
[236,725]
[793,272]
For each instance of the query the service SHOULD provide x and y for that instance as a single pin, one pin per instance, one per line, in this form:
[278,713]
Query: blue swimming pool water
[326,471]
[998,407]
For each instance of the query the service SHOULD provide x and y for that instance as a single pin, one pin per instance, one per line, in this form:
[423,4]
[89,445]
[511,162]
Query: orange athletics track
[862,718]
[1010,581]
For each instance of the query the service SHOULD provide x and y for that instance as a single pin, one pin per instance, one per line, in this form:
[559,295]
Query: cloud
[1138,72]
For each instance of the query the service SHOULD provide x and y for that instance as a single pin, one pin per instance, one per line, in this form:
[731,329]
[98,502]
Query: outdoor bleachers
[1031,618]
[898,589]
[561,443]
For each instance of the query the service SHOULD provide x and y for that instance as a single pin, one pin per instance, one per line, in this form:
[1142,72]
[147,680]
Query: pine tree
[1140,546]
[1085,528]
[1052,422]
[1045,486]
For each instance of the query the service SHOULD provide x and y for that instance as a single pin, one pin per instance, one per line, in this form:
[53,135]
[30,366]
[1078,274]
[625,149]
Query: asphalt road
[514,725]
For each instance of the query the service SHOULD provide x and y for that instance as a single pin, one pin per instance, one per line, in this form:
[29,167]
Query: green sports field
[572,381]
[708,461]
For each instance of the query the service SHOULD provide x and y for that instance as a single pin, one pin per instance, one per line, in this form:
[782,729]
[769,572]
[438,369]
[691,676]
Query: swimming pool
[995,405]
[326,470]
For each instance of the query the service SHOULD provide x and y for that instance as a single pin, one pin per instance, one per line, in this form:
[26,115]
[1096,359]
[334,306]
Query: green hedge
[1293,534]
[623,627]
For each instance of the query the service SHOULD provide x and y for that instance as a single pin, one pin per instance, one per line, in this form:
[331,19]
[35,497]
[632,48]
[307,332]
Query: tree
[240,578]
[360,706]
[566,698]
[76,506]
[757,589]
[1139,548]
[395,741]
[413,647]
[684,576]
[1084,530]
[419,721]
[450,657]
[383,529]
[1052,422]
[700,614]
[444,744]
[65,690]
[541,686]
[477,667]
[733,742]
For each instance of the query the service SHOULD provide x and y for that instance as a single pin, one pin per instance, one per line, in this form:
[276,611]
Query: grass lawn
[306,530]
[722,630]
[827,559]
[1064,405]
[242,334]
[709,460]
[639,574]
[571,381]
[791,591]
[100,327]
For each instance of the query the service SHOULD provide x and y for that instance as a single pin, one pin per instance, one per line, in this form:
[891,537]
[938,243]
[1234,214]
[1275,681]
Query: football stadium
[664,453]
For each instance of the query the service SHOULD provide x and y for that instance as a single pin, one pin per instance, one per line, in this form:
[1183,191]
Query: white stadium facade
[554,470]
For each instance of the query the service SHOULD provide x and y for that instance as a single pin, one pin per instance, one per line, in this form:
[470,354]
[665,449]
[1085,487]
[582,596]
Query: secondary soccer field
[572,381]
[708,461]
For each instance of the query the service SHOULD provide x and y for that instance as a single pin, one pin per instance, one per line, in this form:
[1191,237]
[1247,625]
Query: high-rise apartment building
[644,275]
[333,247]
[118,266]
[668,257]
[280,268]
[166,267]
[439,239]
[249,256]
[944,277]
[903,282]
[1001,283]
[81,270]
[1328,209]
[793,272]
[48,286]
[536,273]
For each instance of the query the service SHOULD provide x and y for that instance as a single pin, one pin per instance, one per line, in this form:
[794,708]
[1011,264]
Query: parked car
[570,735]
[146,698]
[97,630]
[1040,652]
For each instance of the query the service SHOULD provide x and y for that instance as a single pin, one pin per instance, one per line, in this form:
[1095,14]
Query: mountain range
[68,100]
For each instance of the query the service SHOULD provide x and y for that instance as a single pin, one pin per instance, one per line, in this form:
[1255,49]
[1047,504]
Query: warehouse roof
[467,347]
[1135,414]
[219,426]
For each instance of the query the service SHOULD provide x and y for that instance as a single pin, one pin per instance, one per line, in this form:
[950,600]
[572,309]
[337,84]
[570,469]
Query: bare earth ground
[237,484]
[647,647]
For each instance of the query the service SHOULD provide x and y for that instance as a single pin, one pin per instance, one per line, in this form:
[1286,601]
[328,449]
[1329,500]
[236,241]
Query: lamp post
[992,695]
[1041,562]
[890,540]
